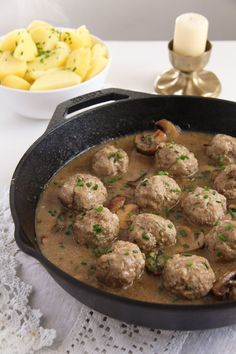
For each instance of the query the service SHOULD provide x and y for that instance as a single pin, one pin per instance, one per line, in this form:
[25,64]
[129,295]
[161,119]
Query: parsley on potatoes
[42,57]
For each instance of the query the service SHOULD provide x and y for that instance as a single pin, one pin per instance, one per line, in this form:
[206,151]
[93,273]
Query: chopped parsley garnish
[52,212]
[109,261]
[186,245]
[206,188]
[69,230]
[187,254]
[205,265]
[219,254]
[189,264]
[89,184]
[95,187]
[175,190]
[222,237]
[162,173]
[131,228]
[126,253]
[117,156]
[205,196]
[145,236]
[229,227]
[97,228]
[80,182]
[182,233]
[99,209]
[182,157]
[170,226]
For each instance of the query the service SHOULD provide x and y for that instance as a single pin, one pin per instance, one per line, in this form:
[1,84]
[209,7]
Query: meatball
[225,182]
[151,231]
[82,191]
[176,159]
[110,161]
[222,149]
[121,267]
[98,227]
[157,192]
[189,277]
[221,241]
[204,206]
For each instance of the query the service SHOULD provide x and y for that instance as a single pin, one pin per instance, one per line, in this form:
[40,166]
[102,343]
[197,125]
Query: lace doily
[20,330]
[95,333]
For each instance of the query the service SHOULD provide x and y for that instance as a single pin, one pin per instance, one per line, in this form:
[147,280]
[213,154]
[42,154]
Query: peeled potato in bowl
[42,66]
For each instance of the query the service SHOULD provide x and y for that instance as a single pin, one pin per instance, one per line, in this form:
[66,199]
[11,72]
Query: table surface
[134,66]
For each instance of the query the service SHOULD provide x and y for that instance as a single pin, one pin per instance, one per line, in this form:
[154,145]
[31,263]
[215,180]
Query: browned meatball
[121,267]
[225,182]
[151,231]
[189,277]
[98,227]
[204,206]
[110,161]
[82,191]
[222,149]
[221,241]
[157,192]
[176,159]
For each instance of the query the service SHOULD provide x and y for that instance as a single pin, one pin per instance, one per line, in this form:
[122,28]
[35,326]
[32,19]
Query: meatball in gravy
[204,206]
[98,227]
[176,159]
[152,231]
[122,266]
[157,192]
[82,191]
[190,277]
[225,182]
[110,161]
[222,149]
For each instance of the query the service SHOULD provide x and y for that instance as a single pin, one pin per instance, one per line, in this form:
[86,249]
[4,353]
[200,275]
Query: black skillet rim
[99,292]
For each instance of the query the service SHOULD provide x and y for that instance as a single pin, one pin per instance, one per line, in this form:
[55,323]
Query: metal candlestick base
[188,76]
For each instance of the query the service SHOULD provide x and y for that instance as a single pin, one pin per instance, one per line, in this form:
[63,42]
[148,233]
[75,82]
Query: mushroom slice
[155,262]
[225,286]
[172,131]
[147,143]
[116,203]
[134,183]
[125,215]
[187,240]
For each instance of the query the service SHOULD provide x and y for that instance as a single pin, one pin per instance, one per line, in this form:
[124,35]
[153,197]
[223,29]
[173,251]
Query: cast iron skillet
[129,112]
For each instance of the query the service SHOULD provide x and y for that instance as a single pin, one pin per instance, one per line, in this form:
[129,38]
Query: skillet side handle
[90,99]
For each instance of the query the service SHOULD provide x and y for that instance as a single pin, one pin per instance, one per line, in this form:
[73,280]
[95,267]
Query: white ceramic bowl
[42,104]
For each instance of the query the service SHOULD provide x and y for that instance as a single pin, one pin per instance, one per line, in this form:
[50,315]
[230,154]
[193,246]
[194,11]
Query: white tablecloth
[135,66]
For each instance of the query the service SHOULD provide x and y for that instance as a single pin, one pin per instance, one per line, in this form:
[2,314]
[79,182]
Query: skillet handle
[90,99]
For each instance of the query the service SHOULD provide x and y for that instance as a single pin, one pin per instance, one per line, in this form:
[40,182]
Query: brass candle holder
[188,76]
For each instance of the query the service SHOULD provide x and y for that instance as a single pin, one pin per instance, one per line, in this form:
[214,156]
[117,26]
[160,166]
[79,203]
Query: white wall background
[121,19]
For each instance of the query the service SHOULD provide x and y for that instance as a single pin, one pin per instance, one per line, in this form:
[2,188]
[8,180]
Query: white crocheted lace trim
[20,330]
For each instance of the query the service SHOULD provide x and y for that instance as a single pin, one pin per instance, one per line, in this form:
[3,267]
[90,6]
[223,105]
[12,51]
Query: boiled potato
[98,60]
[16,82]
[99,50]
[37,23]
[51,59]
[26,49]
[64,45]
[96,66]
[79,61]
[45,38]
[10,41]
[32,75]
[84,35]
[71,39]
[10,65]
[55,80]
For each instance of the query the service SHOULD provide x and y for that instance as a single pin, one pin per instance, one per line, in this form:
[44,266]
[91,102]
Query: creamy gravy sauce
[80,262]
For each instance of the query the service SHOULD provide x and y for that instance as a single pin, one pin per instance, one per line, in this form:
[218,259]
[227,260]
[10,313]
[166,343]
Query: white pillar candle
[190,34]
